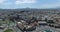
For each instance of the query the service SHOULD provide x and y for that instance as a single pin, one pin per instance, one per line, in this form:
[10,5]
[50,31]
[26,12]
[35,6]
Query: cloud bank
[36,3]
[2,1]
[25,1]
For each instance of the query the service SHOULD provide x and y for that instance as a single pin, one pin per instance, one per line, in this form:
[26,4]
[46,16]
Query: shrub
[9,30]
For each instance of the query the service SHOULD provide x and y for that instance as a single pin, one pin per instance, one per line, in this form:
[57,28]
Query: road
[43,28]
[38,29]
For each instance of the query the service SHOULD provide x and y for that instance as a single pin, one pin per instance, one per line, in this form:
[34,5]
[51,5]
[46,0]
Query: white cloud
[5,2]
[50,5]
[24,1]
[2,1]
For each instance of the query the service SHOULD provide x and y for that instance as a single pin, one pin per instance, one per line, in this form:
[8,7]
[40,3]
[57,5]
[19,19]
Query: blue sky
[13,4]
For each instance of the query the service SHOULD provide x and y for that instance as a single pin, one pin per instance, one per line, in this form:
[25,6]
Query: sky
[14,4]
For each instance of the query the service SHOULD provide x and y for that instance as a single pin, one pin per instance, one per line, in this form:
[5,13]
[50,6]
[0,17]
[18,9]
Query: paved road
[1,30]
[38,29]
[42,28]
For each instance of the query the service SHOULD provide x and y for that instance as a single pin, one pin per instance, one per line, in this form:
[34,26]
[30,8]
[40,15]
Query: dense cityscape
[29,20]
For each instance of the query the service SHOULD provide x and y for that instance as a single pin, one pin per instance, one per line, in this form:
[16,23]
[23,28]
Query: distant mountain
[29,9]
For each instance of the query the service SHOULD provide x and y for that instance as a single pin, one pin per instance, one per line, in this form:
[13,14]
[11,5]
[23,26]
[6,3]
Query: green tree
[9,30]
[8,22]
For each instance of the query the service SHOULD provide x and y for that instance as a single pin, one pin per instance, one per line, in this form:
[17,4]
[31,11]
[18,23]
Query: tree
[9,30]
[8,23]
